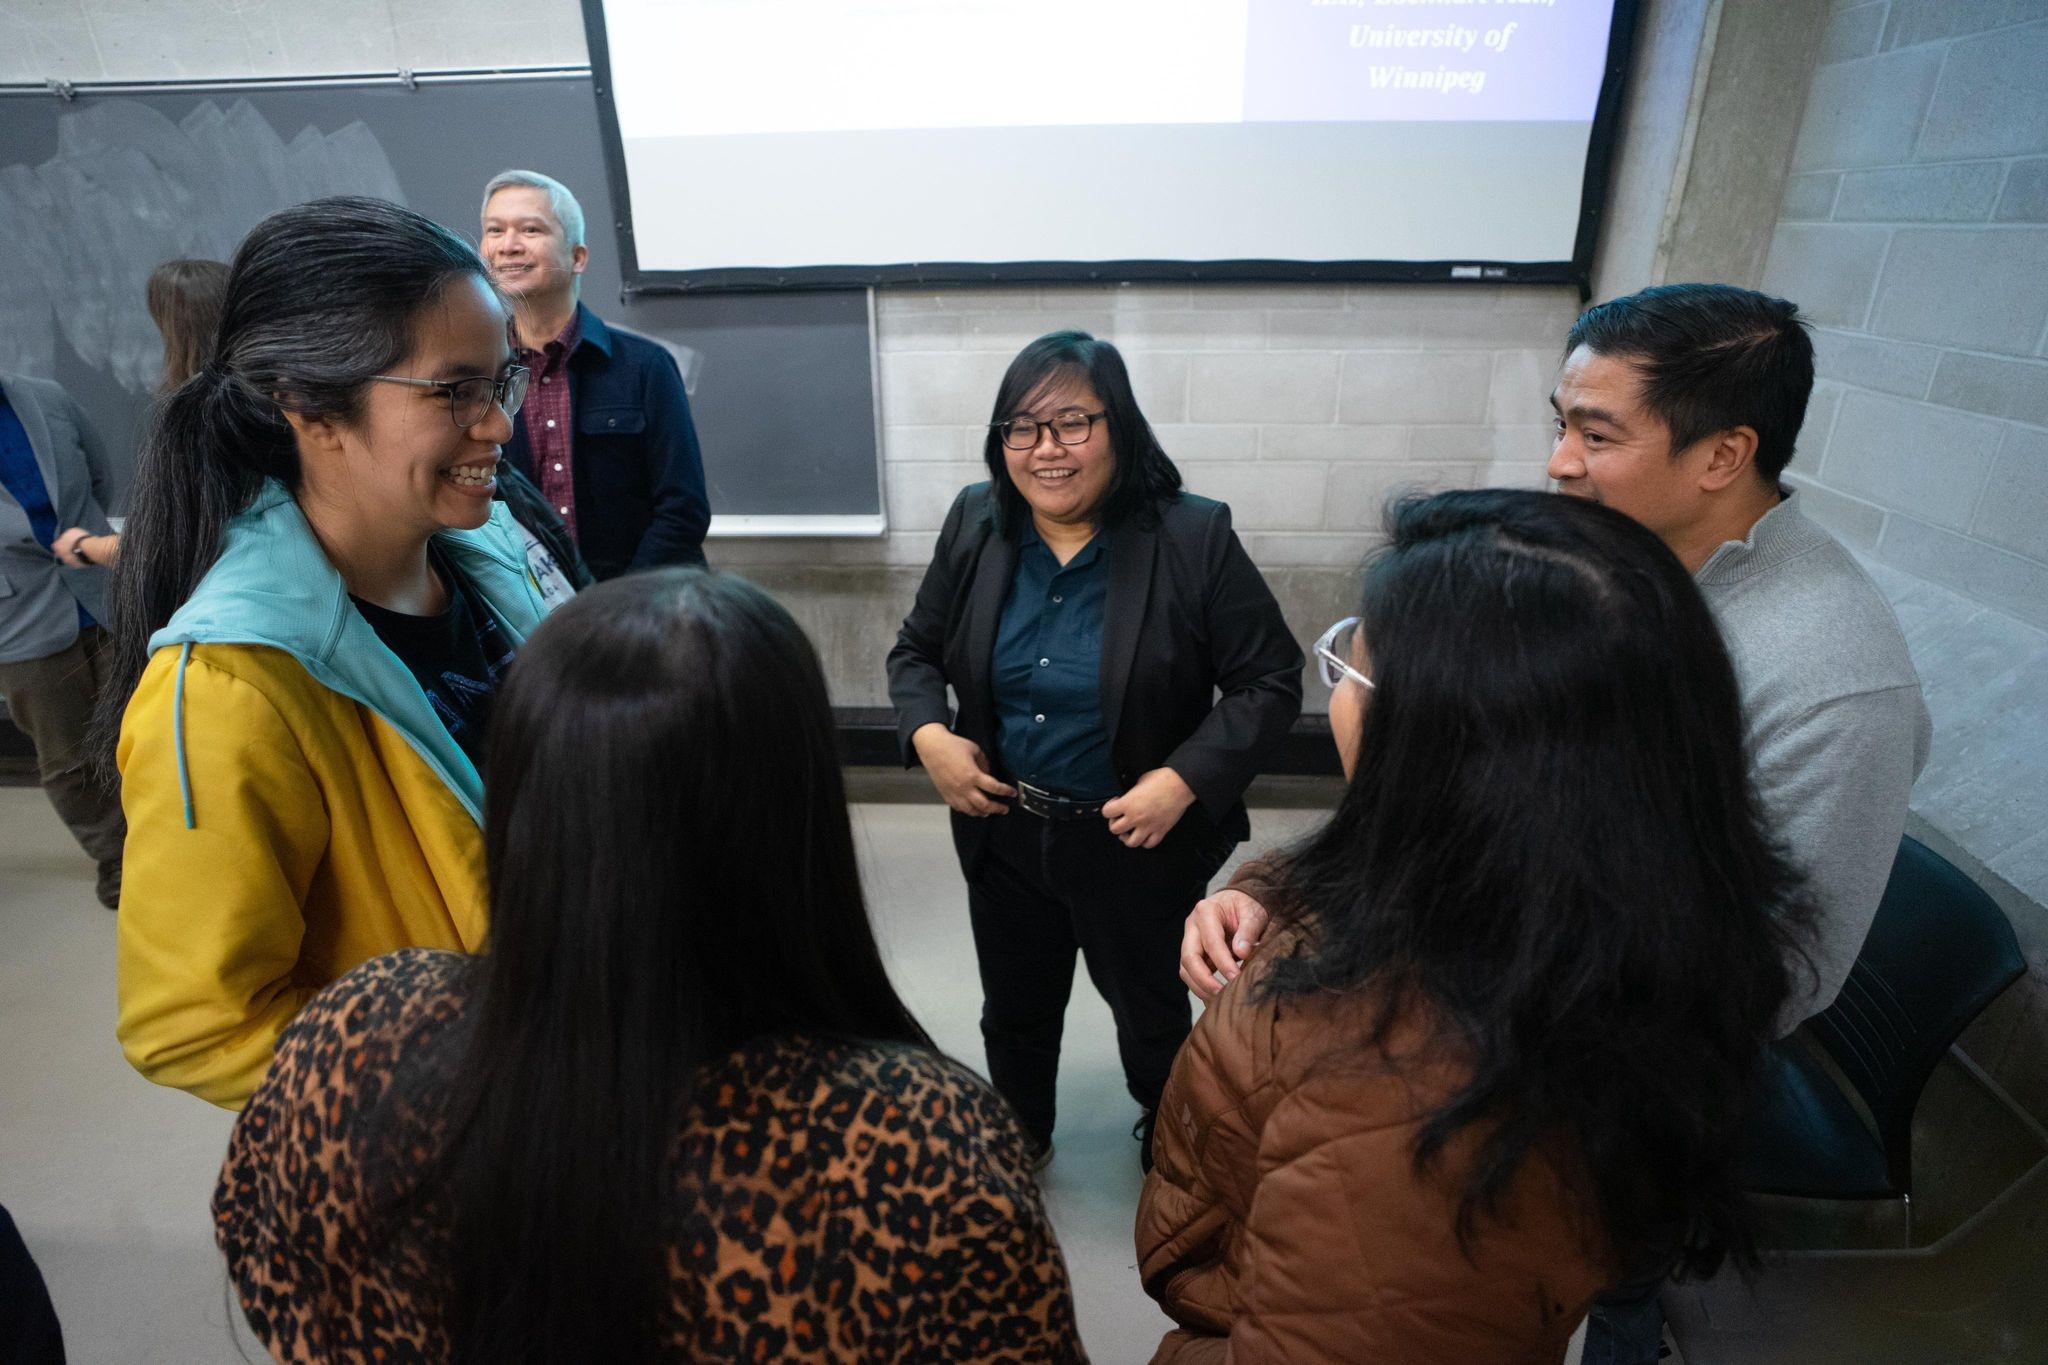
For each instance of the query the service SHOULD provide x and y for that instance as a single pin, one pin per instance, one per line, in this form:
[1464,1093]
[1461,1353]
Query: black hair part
[319,298]
[672,874]
[1143,478]
[1551,850]
[1713,357]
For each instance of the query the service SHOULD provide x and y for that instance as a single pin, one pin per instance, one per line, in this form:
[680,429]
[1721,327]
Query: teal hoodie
[273,586]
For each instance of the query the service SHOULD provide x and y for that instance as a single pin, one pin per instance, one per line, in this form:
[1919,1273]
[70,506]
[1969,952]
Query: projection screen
[780,143]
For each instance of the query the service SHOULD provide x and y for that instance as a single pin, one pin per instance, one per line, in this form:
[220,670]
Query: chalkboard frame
[1578,271]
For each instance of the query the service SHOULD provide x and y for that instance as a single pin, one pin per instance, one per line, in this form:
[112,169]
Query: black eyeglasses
[1068,428]
[470,399]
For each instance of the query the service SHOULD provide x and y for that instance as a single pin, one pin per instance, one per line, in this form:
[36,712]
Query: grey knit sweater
[1837,728]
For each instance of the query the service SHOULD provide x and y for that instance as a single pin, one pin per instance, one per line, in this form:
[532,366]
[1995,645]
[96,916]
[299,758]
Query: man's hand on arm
[1219,935]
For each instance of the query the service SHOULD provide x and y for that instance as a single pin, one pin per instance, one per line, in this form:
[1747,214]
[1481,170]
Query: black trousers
[29,1334]
[1042,890]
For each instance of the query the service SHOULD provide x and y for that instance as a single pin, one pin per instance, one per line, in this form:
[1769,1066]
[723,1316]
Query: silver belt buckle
[1034,800]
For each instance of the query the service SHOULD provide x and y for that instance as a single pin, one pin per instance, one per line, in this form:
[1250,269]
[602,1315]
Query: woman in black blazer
[1086,613]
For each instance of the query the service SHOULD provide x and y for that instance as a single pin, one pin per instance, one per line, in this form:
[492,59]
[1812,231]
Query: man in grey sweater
[1679,406]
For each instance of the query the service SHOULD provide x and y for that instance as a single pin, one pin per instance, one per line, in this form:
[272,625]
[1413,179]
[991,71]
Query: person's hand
[959,769]
[1219,935]
[78,548]
[66,546]
[1145,814]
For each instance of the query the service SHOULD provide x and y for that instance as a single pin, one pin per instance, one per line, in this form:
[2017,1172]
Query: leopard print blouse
[902,1225]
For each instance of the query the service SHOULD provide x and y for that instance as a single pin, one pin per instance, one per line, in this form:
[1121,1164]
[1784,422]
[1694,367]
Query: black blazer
[1187,615]
[640,498]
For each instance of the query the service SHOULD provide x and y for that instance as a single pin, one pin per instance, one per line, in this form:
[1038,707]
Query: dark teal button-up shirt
[1048,671]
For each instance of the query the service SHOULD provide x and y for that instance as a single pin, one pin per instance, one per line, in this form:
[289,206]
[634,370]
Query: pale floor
[109,1176]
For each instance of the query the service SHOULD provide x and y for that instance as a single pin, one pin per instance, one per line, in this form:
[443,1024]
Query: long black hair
[1550,847]
[672,873]
[319,298]
[1143,477]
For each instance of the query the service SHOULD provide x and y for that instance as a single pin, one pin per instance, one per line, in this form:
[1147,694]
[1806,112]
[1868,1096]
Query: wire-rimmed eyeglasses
[1333,655]
[470,399]
[1068,428]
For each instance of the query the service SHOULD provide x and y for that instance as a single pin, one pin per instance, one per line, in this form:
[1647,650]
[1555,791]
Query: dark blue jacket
[640,498]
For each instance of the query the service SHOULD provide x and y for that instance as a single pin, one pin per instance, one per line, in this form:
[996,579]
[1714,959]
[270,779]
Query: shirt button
[543,379]
[1057,598]
[1043,662]
[563,510]
[558,469]
[551,421]
[1039,718]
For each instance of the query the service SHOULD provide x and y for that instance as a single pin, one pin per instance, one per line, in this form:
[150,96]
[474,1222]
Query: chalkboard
[97,189]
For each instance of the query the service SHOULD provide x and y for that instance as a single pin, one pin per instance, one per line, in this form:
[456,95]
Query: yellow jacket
[294,808]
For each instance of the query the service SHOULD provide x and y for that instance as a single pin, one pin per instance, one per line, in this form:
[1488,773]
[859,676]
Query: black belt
[1052,806]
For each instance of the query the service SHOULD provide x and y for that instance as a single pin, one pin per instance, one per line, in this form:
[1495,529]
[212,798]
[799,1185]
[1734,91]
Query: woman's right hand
[959,769]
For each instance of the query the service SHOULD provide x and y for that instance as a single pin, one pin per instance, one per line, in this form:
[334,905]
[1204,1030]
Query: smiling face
[403,467]
[1613,450]
[524,246]
[1064,485]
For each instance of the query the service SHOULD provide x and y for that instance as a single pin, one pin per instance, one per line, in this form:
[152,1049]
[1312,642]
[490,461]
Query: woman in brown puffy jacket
[1496,1052]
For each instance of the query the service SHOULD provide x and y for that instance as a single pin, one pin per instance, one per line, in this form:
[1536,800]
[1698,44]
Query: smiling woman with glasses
[552,558]
[1122,671]
[319,598]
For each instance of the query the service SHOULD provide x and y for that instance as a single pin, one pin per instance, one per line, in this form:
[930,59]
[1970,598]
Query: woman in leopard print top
[493,1159]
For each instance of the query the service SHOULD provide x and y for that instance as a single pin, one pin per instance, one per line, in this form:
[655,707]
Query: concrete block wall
[1914,230]
[1303,407]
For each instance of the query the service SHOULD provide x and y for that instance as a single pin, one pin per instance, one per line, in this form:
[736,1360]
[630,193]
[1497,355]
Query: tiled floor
[109,1176]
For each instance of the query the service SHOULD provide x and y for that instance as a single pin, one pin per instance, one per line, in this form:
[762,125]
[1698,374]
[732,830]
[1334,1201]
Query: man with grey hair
[606,431]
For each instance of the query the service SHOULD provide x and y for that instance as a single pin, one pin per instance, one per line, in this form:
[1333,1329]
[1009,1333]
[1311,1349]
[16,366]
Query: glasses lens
[1070,428]
[467,400]
[1020,433]
[516,381]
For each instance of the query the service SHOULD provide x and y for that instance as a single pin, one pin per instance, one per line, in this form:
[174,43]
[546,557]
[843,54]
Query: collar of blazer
[1131,552]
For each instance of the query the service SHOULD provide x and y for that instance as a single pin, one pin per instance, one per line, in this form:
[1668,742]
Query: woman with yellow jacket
[315,601]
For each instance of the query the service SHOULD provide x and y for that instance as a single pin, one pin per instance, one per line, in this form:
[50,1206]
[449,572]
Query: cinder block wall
[1304,408]
[1915,231]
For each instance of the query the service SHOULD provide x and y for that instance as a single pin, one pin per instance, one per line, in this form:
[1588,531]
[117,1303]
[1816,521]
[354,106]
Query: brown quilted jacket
[1284,1219]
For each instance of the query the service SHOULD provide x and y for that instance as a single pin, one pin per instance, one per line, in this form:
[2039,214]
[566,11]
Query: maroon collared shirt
[546,415]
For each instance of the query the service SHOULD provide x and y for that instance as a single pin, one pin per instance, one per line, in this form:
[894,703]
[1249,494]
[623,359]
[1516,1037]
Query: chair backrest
[1939,951]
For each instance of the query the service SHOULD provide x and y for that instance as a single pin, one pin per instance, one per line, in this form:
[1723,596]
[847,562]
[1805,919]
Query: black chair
[1939,951]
